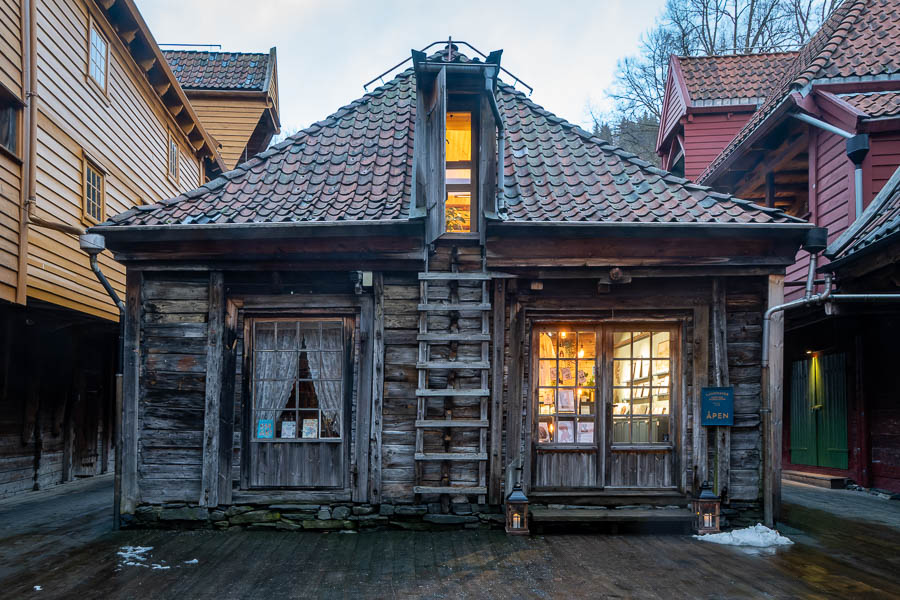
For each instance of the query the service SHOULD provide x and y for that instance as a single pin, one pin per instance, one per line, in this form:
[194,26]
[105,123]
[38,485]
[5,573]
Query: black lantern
[517,512]
[707,507]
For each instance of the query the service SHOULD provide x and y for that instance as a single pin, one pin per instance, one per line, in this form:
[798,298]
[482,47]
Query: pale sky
[566,50]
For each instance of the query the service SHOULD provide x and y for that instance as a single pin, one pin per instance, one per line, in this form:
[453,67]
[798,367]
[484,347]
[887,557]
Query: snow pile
[758,536]
[37,588]
[136,556]
[193,561]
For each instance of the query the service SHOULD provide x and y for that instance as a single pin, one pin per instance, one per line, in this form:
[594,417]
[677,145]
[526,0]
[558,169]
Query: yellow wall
[230,121]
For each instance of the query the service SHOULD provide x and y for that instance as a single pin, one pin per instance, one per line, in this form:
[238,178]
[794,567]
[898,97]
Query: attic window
[460,183]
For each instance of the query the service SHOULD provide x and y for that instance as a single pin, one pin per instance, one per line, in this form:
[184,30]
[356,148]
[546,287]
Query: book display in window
[641,387]
[567,367]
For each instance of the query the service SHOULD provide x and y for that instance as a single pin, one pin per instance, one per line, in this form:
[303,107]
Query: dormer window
[459,175]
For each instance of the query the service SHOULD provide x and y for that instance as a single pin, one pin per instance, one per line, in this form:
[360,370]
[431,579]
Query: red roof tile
[747,78]
[356,165]
[219,70]
[875,104]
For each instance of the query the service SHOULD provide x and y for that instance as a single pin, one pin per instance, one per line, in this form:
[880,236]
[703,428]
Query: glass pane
[459,136]
[332,336]
[586,373]
[566,372]
[566,400]
[331,424]
[660,429]
[286,336]
[459,212]
[622,372]
[621,430]
[264,425]
[660,401]
[621,401]
[309,335]
[286,426]
[587,344]
[547,373]
[546,401]
[660,344]
[567,344]
[547,342]
[459,176]
[585,432]
[641,345]
[545,430]
[640,431]
[640,404]
[309,424]
[585,401]
[641,371]
[622,345]
[565,431]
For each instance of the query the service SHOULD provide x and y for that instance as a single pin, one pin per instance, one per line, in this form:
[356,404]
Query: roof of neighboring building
[875,104]
[735,77]
[201,70]
[356,165]
[880,220]
[861,38]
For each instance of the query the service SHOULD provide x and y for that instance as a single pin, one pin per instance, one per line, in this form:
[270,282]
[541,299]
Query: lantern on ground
[707,507]
[517,511]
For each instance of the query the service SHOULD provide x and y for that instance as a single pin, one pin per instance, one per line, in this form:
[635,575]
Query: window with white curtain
[297,379]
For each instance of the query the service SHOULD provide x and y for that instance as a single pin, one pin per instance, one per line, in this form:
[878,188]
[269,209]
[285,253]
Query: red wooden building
[818,135]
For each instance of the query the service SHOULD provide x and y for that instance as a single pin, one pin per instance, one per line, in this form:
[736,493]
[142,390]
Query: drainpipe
[857,149]
[501,142]
[93,244]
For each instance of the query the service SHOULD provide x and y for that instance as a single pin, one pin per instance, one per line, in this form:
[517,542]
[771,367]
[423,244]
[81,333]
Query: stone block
[237,510]
[365,509]
[461,508]
[328,524]
[186,513]
[324,514]
[255,516]
[217,515]
[311,508]
[287,526]
[450,519]
[340,513]
[298,516]
[386,510]
[410,511]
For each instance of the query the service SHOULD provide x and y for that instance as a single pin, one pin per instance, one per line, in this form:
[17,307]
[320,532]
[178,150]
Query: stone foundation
[315,517]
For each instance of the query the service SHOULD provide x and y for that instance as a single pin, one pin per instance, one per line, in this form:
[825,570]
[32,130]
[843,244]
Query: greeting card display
[265,429]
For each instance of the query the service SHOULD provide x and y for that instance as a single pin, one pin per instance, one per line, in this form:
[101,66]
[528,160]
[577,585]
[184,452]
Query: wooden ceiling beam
[773,161]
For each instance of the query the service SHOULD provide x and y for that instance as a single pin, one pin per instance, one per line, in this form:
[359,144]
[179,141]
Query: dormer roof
[202,70]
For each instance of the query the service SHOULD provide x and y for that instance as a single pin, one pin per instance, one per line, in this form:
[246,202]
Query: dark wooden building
[375,322]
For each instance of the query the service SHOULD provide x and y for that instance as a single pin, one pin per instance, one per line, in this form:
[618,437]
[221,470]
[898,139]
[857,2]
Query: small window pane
[546,401]
[661,344]
[547,373]
[459,176]
[9,120]
[459,136]
[585,401]
[93,193]
[97,57]
[587,344]
[640,431]
[621,430]
[459,212]
[567,372]
[567,344]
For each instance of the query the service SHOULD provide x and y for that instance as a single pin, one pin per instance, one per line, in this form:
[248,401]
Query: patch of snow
[37,588]
[134,556]
[193,561]
[158,567]
[758,536]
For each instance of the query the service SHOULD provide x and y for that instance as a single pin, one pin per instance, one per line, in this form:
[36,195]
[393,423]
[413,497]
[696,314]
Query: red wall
[705,136]
[881,162]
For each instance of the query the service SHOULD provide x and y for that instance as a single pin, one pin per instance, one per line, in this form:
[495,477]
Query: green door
[819,411]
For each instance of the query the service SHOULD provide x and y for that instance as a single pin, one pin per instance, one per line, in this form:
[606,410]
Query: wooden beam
[359,486]
[209,488]
[377,390]
[773,387]
[496,417]
[514,397]
[129,495]
[720,373]
[699,380]
[227,403]
[770,189]
[772,161]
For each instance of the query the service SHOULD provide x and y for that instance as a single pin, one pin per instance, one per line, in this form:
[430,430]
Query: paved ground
[76,557]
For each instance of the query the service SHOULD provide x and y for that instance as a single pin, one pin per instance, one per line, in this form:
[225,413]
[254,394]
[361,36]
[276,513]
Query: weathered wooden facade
[94,123]
[821,144]
[371,323]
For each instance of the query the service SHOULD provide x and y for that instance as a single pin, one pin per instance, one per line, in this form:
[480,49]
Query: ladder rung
[454,337]
[458,307]
[456,276]
[452,392]
[452,364]
[440,489]
[439,423]
[451,456]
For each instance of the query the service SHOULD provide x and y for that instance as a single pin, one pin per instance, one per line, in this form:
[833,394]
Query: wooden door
[819,412]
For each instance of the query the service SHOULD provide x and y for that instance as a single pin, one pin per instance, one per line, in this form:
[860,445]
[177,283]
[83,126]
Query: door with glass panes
[603,405]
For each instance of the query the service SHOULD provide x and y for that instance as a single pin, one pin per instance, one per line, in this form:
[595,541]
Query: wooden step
[635,515]
[451,392]
[432,276]
[449,489]
[831,482]
[457,456]
[454,337]
[452,364]
[441,423]
[458,307]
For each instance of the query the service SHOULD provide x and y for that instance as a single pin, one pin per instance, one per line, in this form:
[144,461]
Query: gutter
[501,142]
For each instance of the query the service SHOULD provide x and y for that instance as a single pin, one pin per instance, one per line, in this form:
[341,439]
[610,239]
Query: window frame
[471,104]
[9,101]
[172,152]
[89,164]
[93,26]
[347,368]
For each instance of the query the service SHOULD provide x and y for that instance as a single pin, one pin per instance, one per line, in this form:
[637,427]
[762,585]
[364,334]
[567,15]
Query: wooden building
[821,145]
[235,94]
[93,122]
[374,322]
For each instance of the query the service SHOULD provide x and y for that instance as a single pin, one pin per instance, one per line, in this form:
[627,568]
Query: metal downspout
[501,144]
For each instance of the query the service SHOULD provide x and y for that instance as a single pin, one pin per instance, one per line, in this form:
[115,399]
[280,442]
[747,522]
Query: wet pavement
[72,554]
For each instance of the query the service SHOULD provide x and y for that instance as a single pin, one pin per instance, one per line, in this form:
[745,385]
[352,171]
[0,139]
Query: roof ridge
[645,166]
[735,55]
[216,52]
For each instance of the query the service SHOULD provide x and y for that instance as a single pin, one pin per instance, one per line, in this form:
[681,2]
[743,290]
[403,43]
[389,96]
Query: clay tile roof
[861,38]
[356,165]
[879,221]
[200,70]
[875,104]
[742,77]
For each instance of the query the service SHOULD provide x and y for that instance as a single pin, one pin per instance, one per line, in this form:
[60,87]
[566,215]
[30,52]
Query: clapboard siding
[705,136]
[882,160]
[230,121]
[125,131]
[10,201]
[174,311]
[11,46]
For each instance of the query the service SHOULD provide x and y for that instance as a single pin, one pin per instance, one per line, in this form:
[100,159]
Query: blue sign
[717,406]
[265,429]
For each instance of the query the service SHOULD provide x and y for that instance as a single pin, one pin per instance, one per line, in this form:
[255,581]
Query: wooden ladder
[448,424]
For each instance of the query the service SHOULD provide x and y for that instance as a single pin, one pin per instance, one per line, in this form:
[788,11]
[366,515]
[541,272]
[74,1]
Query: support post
[498,341]
[773,384]
[699,380]
[209,485]
[720,370]
[227,403]
[377,390]
[514,398]
[128,436]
